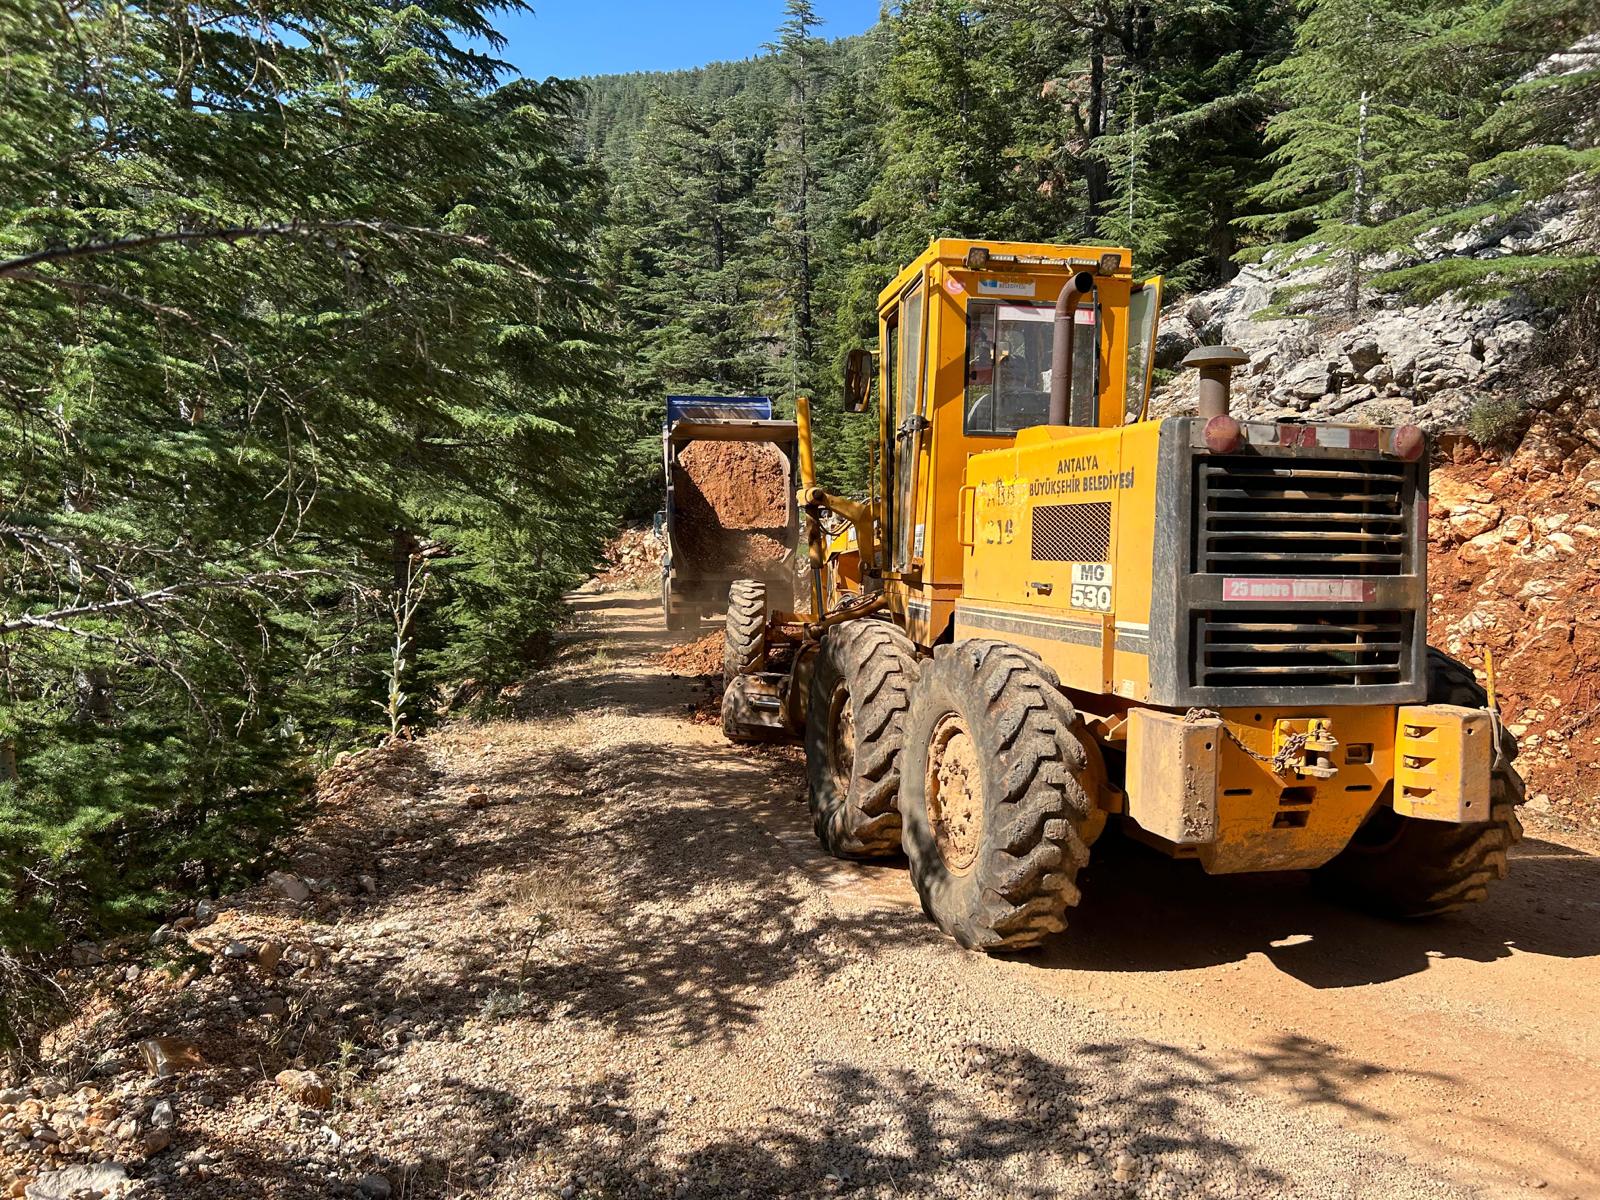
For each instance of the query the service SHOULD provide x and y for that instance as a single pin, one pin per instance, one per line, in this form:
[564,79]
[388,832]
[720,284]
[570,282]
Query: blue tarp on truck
[718,408]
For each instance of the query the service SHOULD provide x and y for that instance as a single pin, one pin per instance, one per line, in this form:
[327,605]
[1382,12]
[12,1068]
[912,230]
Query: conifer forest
[332,351]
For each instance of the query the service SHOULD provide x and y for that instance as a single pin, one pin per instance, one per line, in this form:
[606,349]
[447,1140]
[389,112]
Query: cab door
[1144,313]
[908,423]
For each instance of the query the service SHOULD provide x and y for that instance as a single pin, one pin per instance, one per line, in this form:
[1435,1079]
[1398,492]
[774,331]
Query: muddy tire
[744,642]
[992,800]
[1403,867]
[860,691]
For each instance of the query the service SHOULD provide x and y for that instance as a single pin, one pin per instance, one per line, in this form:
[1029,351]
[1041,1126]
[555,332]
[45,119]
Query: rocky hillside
[1426,363]
[1443,365]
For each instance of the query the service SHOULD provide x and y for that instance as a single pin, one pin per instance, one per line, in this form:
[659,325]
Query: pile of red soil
[1514,568]
[733,501]
[702,660]
[702,657]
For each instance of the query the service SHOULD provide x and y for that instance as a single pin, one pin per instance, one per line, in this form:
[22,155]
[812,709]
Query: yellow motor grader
[1053,611]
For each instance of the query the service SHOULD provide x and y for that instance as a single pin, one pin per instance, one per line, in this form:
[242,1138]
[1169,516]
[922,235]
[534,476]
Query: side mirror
[857,381]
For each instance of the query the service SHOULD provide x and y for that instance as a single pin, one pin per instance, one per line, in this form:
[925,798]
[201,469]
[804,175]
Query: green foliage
[758,208]
[1498,422]
[1183,147]
[307,302]
[294,301]
[1409,127]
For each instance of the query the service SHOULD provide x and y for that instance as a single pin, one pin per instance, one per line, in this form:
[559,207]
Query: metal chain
[1281,763]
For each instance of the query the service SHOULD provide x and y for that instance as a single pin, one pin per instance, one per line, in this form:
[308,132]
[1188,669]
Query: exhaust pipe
[1077,287]
[1215,364]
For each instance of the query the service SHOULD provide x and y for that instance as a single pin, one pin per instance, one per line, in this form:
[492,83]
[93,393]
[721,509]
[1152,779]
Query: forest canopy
[757,208]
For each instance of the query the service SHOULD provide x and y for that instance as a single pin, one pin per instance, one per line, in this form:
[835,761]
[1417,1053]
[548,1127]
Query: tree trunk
[803,237]
[1358,215]
[1224,241]
[1094,175]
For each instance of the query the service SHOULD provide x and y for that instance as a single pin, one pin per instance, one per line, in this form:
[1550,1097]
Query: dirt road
[1235,1034]
[596,952]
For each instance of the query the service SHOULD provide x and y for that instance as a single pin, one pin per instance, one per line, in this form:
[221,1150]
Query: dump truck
[1052,612]
[730,512]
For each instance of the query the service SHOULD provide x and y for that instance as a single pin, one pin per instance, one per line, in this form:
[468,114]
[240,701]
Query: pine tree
[679,253]
[683,247]
[792,179]
[1182,145]
[1357,133]
[852,268]
[264,347]
[1410,121]
[1537,67]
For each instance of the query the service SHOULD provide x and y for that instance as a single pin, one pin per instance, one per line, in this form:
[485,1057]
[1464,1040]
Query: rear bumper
[1234,790]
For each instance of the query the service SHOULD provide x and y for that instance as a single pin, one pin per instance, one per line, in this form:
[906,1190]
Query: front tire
[744,642]
[860,691]
[992,798]
[1404,867]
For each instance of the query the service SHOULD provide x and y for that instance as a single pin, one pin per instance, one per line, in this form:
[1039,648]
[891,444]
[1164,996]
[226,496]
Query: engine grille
[1072,532]
[1271,648]
[1259,515]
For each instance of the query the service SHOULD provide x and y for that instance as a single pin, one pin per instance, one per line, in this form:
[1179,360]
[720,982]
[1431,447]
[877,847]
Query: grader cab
[1052,612]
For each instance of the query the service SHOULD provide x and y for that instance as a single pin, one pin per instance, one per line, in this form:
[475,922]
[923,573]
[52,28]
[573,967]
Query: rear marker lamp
[1409,443]
[1224,435]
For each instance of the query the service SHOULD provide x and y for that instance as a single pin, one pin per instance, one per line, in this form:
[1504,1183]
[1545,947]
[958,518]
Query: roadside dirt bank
[592,950]
[1515,570]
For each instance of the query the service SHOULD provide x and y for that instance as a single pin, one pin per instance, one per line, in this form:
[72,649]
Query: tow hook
[1305,746]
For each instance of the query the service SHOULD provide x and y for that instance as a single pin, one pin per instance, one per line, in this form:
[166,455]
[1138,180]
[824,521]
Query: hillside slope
[615,108]
[1515,570]
[1444,364]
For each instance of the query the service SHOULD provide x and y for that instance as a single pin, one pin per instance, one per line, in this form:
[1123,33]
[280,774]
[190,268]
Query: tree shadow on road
[997,1121]
[679,894]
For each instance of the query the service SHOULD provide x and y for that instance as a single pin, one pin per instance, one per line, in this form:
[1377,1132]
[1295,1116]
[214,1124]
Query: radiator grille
[1072,532]
[1258,515]
[1269,648]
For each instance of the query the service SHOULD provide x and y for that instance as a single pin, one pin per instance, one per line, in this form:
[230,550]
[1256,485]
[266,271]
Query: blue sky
[599,37]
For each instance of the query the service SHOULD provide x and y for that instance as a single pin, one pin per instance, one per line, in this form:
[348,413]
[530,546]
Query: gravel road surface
[751,1017]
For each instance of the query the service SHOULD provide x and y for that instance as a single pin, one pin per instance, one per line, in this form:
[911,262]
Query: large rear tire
[744,643]
[860,690]
[1404,867]
[992,798]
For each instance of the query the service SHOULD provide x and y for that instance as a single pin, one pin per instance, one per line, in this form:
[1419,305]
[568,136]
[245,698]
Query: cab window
[1009,366]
